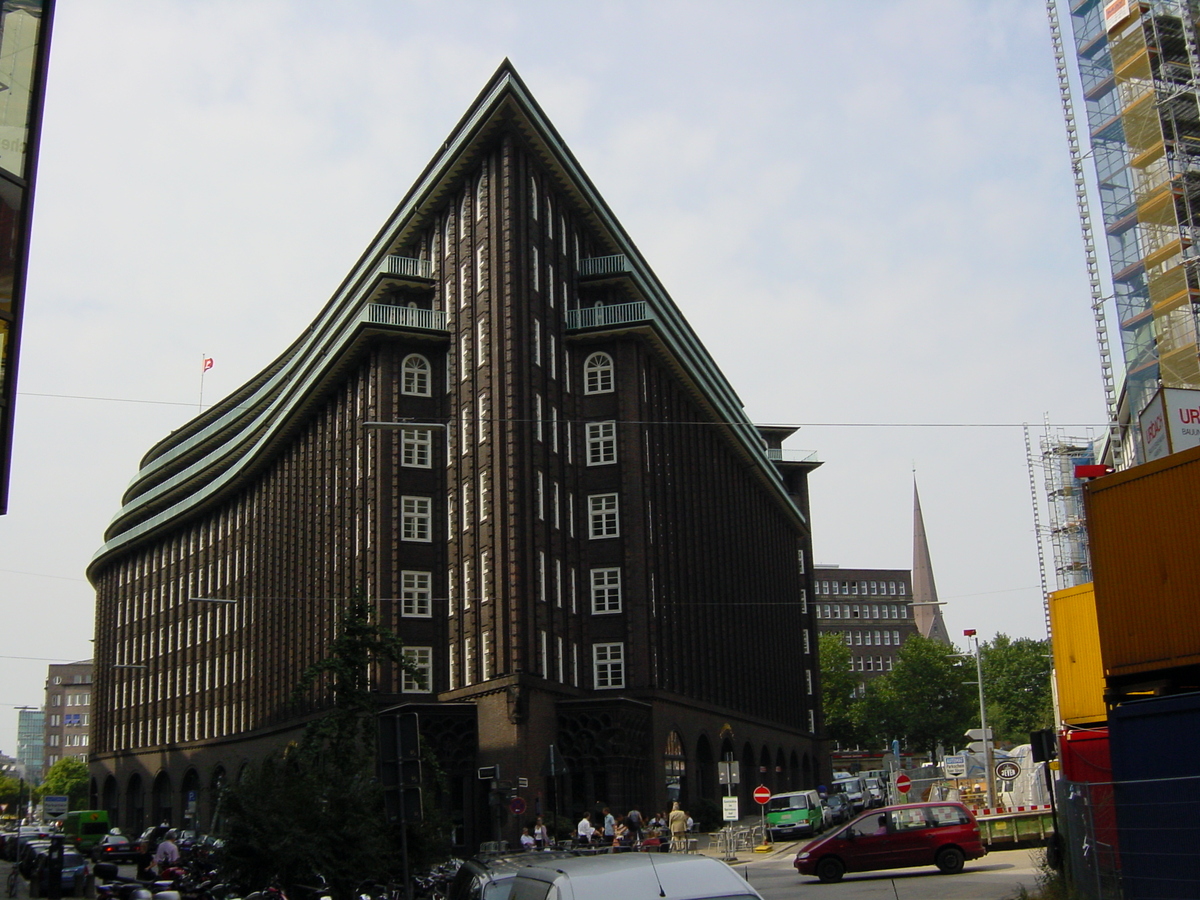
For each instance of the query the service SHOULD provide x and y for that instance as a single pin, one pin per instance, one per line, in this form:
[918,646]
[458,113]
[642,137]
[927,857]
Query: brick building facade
[502,430]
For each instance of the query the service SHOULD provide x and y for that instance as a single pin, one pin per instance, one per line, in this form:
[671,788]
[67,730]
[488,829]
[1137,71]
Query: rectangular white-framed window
[415,448]
[541,496]
[451,506]
[480,268]
[484,405]
[468,582]
[542,575]
[415,519]
[603,516]
[537,416]
[534,259]
[465,427]
[453,673]
[803,600]
[464,274]
[558,584]
[559,660]
[571,513]
[466,506]
[550,283]
[574,590]
[485,575]
[608,666]
[553,358]
[553,428]
[485,494]
[537,342]
[415,593]
[808,680]
[485,652]
[601,443]
[557,517]
[468,662]
[807,643]
[544,641]
[606,590]
[420,681]
[481,341]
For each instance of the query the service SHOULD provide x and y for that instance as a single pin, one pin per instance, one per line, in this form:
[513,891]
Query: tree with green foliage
[69,778]
[839,687]
[316,810]
[1016,687]
[926,700]
[10,789]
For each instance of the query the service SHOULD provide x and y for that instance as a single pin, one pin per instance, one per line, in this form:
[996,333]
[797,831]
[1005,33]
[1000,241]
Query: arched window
[598,374]
[416,376]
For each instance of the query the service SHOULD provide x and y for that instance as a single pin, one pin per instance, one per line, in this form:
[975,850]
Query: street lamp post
[983,725]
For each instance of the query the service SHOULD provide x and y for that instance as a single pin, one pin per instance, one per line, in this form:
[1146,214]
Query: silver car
[630,875]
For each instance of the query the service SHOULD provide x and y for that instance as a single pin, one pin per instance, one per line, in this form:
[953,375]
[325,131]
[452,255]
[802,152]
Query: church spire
[926,611]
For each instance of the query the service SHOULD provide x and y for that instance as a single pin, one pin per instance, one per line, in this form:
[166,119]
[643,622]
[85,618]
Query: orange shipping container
[1144,531]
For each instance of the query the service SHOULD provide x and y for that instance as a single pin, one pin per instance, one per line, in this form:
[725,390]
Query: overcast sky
[864,210]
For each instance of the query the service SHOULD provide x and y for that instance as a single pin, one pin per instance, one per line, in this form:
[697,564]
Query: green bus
[794,814]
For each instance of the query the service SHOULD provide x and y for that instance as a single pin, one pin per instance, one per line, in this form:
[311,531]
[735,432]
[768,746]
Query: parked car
[74,874]
[837,810]
[603,877]
[115,847]
[150,838]
[916,834]
[491,878]
[875,791]
[852,786]
[17,839]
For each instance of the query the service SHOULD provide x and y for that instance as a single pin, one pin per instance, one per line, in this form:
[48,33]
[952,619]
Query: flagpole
[203,369]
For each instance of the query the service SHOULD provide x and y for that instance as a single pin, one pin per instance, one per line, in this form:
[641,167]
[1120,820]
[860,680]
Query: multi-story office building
[68,712]
[872,611]
[24,55]
[502,430]
[1128,72]
[31,743]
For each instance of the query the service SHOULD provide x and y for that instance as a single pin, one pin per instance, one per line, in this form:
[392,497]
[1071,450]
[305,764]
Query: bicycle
[14,879]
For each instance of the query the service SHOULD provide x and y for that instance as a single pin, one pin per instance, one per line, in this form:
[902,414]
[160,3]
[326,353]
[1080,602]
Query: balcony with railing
[407,268]
[605,266]
[609,316]
[792,456]
[411,317]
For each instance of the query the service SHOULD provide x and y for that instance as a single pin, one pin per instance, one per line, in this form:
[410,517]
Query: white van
[854,789]
[609,875]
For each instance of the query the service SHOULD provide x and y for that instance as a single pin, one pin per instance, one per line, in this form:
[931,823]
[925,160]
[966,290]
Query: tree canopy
[1016,687]
[68,778]
[315,811]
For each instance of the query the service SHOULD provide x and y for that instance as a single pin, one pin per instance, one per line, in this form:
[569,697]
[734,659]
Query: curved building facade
[502,431]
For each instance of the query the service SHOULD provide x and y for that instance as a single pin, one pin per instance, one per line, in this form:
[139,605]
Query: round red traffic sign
[762,793]
[903,783]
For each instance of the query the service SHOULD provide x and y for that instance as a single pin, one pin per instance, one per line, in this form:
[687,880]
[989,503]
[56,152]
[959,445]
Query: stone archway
[189,800]
[161,809]
[135,804]
[675,770]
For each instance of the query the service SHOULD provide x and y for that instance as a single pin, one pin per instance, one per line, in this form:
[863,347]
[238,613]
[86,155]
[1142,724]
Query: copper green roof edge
[245,418]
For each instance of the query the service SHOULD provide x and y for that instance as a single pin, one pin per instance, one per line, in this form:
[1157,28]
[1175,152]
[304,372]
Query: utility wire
[649,422]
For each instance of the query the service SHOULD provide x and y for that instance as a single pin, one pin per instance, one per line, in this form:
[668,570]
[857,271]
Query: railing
[405,316]
[617,314]
[406,267]
[604,265]
[792,455]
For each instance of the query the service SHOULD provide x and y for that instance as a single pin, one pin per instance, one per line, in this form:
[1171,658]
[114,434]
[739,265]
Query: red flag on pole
[208,364]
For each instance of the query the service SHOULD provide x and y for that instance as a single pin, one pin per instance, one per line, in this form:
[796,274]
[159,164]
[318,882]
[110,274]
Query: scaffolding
[1064,528]
[1139,82]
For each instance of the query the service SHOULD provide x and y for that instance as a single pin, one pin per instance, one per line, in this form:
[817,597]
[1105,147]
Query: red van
[945,835]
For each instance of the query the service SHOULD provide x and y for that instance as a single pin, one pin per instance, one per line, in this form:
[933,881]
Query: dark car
[152,837]
[837,810]
[23,835]
[115,848]
[74,874]
[28,855]
[915,834]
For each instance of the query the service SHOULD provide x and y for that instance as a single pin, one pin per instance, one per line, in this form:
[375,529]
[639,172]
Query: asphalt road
[998,876]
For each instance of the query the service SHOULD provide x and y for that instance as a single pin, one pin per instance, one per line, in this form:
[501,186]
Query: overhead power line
[648,422]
